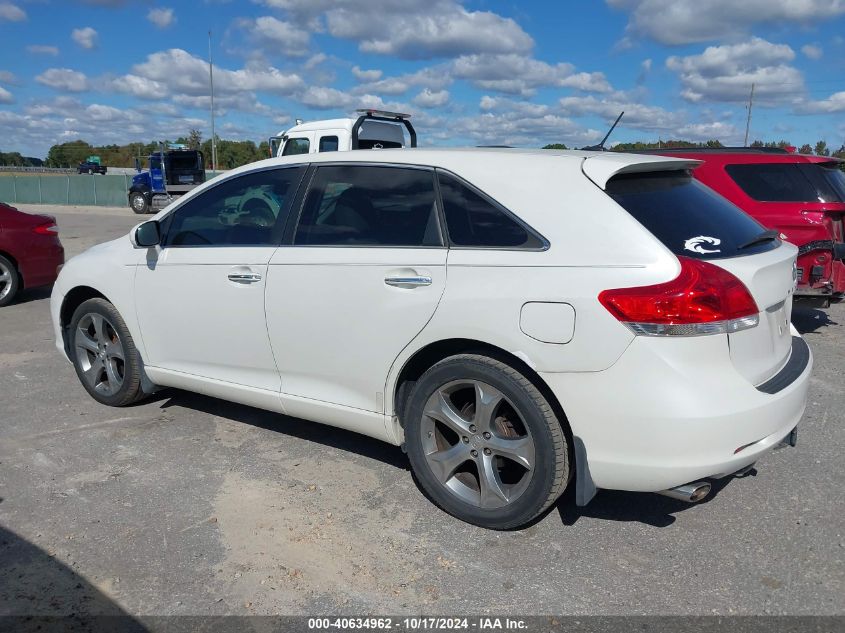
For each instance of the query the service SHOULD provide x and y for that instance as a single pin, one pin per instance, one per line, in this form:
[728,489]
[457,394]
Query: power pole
[748,120]
[211,83]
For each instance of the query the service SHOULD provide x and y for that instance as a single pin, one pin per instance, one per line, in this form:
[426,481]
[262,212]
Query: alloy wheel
[100,354]
[5,281]
[477,444]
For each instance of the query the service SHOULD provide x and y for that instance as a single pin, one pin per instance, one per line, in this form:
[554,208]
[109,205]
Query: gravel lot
[190,505]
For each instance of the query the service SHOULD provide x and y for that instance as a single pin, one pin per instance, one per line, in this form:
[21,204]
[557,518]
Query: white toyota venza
[518,321]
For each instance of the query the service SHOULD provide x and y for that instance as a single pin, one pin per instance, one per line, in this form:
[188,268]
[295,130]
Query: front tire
[138,203]
[484,443]
[10,281]
[104,355]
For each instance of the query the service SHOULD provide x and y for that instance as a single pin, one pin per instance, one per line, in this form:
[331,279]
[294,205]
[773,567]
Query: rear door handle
[407,282]
[244,278]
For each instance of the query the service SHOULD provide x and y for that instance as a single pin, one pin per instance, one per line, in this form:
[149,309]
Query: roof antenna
[600,147]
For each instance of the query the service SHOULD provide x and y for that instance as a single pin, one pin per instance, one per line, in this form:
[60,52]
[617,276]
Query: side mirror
[147,234]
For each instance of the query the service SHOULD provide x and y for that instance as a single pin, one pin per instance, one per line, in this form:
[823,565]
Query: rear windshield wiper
[765,236]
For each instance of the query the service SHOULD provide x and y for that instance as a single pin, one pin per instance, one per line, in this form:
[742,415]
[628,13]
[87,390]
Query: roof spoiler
[368,114]
[601,168]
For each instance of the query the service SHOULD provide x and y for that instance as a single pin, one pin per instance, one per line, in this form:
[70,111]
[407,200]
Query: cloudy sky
[518,72]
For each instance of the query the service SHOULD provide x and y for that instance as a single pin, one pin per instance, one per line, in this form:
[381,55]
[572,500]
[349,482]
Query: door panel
[336,326]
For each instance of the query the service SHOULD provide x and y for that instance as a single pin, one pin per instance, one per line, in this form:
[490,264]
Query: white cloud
[278,36]
[324,98]
[8,77]
[183,73]
[11,12]
[141,87]
[429,99]
[85,37]
[161,17]
[6,96]
[812,51]
[520,75]
[40,49]
[366,75]
[677,22]
[725,73]
[410,29]
[63,79]
[834,103]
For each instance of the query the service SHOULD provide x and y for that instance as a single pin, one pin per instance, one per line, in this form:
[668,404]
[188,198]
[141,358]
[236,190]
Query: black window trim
[166,221]
[305,186]
[544,243]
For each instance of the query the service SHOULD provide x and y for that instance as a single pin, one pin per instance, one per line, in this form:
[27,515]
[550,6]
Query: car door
[361,275]
[200,295]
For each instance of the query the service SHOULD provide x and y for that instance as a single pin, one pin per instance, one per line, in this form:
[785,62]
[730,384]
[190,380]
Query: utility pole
[748,120]
[211,83]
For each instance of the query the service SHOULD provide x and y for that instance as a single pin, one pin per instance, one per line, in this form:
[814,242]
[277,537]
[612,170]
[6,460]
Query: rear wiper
[765,236]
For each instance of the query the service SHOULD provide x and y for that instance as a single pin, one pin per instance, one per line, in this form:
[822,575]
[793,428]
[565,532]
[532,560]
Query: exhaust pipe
[691,493]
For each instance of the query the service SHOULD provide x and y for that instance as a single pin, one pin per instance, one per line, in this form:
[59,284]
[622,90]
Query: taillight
[702,299]
[48,228]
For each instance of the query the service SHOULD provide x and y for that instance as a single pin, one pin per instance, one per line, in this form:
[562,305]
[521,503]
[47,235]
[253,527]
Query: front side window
[295,146]
[328,144]
[362,205]
[474,220]
[248,210]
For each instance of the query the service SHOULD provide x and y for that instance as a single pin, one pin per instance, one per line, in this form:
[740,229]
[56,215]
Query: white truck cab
[372,129]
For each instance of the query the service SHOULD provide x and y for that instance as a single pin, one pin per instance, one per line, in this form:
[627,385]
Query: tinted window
[296,146]
[475,220]
[246,210]
[689,218]
[328,144]
[366,205]
[783,182]
[834,177]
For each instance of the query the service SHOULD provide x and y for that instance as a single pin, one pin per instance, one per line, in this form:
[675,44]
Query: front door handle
[244,278]
[407,282]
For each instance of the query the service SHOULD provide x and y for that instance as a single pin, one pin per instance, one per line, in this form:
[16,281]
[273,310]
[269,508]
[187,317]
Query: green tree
[194,139]
[555,146]
[821,149]
[806,148]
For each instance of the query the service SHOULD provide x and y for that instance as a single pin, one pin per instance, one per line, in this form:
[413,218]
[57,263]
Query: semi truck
[371,129]
[171,172]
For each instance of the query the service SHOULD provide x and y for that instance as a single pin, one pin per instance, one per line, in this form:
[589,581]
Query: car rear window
[785,182]
[689,218]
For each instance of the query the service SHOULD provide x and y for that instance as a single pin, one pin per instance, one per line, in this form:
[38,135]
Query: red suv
[30,251]
[800,196]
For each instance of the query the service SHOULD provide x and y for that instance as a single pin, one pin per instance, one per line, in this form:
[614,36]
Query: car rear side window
[783,182]
[689,218]
[475,220]
[365,205]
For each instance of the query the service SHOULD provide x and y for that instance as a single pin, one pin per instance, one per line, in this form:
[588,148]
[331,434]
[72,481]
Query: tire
[10,281]
[97,338]
[138,203]
[514,439]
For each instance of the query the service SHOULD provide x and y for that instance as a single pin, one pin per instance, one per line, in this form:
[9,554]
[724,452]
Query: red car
[801,197]
[30,251]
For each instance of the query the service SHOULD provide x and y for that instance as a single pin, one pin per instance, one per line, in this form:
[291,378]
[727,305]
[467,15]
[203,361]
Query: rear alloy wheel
[10,281]
[138,203]
[484,442]
[104,355]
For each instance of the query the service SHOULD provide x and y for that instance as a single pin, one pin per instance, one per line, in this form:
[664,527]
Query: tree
[555,146]
[821,149]
[194,139]
[806,148]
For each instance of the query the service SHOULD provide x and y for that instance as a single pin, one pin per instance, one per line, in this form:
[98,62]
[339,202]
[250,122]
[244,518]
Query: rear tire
[10,281]
[484,443]
[104,355]
[138,203]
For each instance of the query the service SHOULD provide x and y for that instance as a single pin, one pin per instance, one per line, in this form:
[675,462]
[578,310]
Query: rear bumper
[41,266]
[670,412]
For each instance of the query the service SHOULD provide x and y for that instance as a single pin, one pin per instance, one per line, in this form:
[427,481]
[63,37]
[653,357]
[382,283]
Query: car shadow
[295,427]
[808,320]
[636,507]
[37,592]
[33,294]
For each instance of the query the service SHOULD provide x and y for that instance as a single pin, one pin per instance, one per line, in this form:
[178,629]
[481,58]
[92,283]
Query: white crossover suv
[518,321]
